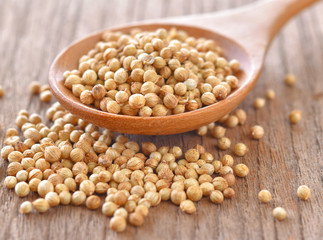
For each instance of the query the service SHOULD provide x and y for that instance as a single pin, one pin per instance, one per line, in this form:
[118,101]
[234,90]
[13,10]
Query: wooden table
[33,32]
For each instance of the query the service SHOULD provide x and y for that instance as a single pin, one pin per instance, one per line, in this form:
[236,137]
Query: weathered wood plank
[33,32]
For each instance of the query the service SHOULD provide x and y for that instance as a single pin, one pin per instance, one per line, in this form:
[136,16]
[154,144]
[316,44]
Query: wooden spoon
[244,33]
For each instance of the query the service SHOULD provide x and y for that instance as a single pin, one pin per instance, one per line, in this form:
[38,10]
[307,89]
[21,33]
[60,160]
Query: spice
[290,79]
[52,199]
[26,207]
[147,75]
[34,87]
[93,202]
[136,219]
[264,196]
[108,208]
[228,193]
[259,103]
[224,143]
[240,149]
[40,205]
[177,196]
[10,182]
[78,198]
[65,197]
[194,193]
[216,197]
[71,155]
[45,96]
[295,116]
[257,132]
[241,170]
[270,94]
[1,92]
[303,192]
[45,187]
[118,224]
[279,213]
[188,206]
[22,189]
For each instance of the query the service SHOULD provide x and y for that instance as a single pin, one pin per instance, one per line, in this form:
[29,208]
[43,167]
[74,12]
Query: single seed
[241,170]
[303,192]
[257,132]
[240,149]
[93,202]
[295,116]
[188,206]
[259,103]
[290,79]
[216,197]
[26,207]
[279,213]
[270,94]
[264,196]
[118,224]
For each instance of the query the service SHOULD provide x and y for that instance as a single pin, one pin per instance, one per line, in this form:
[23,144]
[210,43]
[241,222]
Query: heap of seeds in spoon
[152,73]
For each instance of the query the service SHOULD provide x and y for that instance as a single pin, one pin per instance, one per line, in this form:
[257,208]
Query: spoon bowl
[236,44]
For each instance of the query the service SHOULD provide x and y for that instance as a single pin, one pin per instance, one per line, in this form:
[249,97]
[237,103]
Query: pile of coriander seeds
[155,73]
[73,162]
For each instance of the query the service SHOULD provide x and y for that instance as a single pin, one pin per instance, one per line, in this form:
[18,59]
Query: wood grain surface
[33,32]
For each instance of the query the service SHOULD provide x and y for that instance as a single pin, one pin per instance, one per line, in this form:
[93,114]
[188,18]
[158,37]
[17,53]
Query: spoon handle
[253,26]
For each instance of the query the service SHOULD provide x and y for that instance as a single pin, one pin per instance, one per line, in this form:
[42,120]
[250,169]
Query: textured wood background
[33,32]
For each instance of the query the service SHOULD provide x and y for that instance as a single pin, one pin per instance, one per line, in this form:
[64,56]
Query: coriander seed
[241,170]
[295,116]
[218,132]
[1,92]
[303,192]
[259,103]
[264,196]
[118,224]
[22,189]
[52,199]
[93,202]
[188,206]
[216,197]
[34,87]
[224,143]
[290,79]
[26,207]
[40,205]
[257,132]
[108,208]
[279,213]
[228,193]
[136,219]
[177,196]
[10,182]
[270,94]
[194,193]
[240,149]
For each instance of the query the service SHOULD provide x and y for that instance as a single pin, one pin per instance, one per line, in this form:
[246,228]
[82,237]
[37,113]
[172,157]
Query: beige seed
[241,170]
[264,196]
[295,116]
[303,192]
[40,205]
[22,189]
[257,132]
[188,206]
[118,224]
[26,207]
[216,197]
[279,213]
